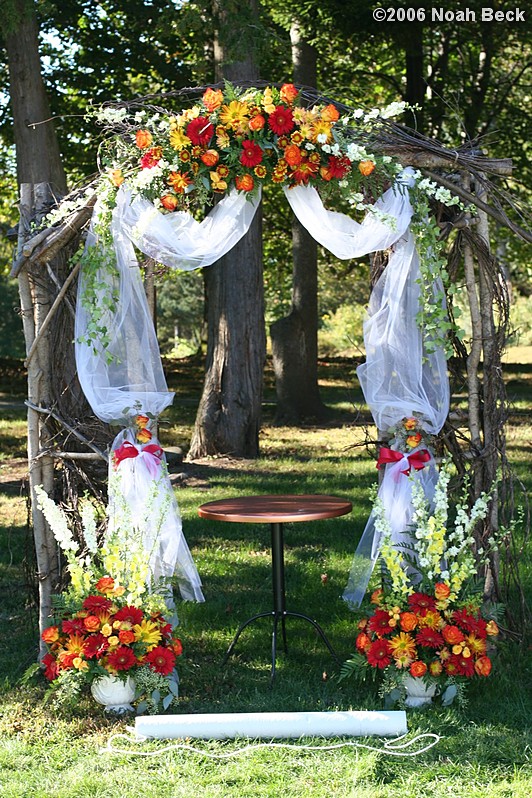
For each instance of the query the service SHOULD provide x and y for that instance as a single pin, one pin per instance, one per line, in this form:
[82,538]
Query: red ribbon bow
[416,460]
[128,450]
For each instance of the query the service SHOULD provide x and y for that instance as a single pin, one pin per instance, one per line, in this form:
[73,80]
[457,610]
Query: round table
[276,510]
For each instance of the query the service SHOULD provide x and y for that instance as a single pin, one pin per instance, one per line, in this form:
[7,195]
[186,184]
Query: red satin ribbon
[417,460]
[128,450]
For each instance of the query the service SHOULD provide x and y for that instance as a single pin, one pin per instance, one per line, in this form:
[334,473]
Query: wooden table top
[276,508]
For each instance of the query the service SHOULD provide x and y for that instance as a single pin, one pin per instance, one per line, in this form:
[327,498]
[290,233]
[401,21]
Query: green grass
[46,752]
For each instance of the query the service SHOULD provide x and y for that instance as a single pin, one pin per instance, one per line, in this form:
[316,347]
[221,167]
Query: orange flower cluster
[225,141]
[142,433]
[427,638]
[106,634]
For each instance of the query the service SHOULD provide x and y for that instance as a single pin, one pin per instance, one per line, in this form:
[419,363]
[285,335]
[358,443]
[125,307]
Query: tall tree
[229,412]
[295,337]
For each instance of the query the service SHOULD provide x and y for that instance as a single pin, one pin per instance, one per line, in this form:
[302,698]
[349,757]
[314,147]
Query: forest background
[470,82]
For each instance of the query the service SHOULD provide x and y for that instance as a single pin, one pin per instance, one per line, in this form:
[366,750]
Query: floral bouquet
[110,622]
[427,623]
[244,138]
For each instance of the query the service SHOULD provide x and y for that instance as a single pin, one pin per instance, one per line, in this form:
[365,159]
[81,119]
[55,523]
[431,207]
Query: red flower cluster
[223,142]
[110,635]
[428,637]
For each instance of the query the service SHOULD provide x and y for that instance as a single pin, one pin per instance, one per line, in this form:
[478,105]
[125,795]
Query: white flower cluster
[57,521]
[432,189]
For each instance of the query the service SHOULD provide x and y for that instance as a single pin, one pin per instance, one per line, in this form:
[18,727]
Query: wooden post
[35,304]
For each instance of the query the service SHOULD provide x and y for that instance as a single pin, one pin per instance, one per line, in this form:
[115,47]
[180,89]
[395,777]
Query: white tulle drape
[400,379]
[124,376]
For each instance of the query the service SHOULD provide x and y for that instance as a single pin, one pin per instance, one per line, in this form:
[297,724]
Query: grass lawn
[45,752]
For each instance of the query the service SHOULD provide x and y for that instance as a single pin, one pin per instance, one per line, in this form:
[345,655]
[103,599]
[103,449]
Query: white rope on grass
[391,747]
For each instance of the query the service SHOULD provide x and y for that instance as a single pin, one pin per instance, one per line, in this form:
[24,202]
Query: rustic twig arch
[57,402]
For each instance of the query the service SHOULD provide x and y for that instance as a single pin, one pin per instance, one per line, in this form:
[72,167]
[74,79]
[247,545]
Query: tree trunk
[38,156]
[295,337]
[229,413]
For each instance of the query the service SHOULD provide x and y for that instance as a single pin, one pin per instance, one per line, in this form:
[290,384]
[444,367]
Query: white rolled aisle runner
[270,725]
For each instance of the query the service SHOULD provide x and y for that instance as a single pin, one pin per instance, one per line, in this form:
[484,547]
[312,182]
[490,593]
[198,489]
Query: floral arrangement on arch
[428,619]
[110,620]
[244,138]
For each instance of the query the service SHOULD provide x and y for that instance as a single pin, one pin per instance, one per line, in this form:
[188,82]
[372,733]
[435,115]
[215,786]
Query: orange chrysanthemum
[178,181]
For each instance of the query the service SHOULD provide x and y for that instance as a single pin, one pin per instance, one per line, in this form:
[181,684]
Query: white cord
[391,747]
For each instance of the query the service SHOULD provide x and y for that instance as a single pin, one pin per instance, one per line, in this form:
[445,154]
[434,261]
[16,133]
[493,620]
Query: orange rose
[116,177]
[210,157]
[244,183]
[126,636]
[408,621]
[362,641]
[177,647]
[143,436]
[91,623]
[105,585]
[413,440]
[50,635]
[143,139]
[169,202]
[442,591]
[366,167]
[376,596]
[483,666]
[418,669]
[257,122]
[142,421]
[452,635]
[288,93]
[212,99]
[293,155]
[435,668]
[410,423]
[330,114]
[492,628]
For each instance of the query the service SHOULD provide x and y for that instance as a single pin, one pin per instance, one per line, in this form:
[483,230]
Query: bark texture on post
[295,337]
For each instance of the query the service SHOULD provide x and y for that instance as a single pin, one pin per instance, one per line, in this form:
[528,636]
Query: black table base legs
[279,613]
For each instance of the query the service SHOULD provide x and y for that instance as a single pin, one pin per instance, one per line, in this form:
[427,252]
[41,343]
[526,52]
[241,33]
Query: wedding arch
[159,168]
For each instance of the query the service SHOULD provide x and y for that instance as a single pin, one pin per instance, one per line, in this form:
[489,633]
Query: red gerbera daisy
[281,120]
[96,646]
[200,131]
[73,625]
[161,660]
[380,622]
[470,622]
[421,601]
[51,671]
[131,614]
[338,167]
[96,603]
[122,659]
[151,157]
[251,154]
[378,654]
[429,638]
